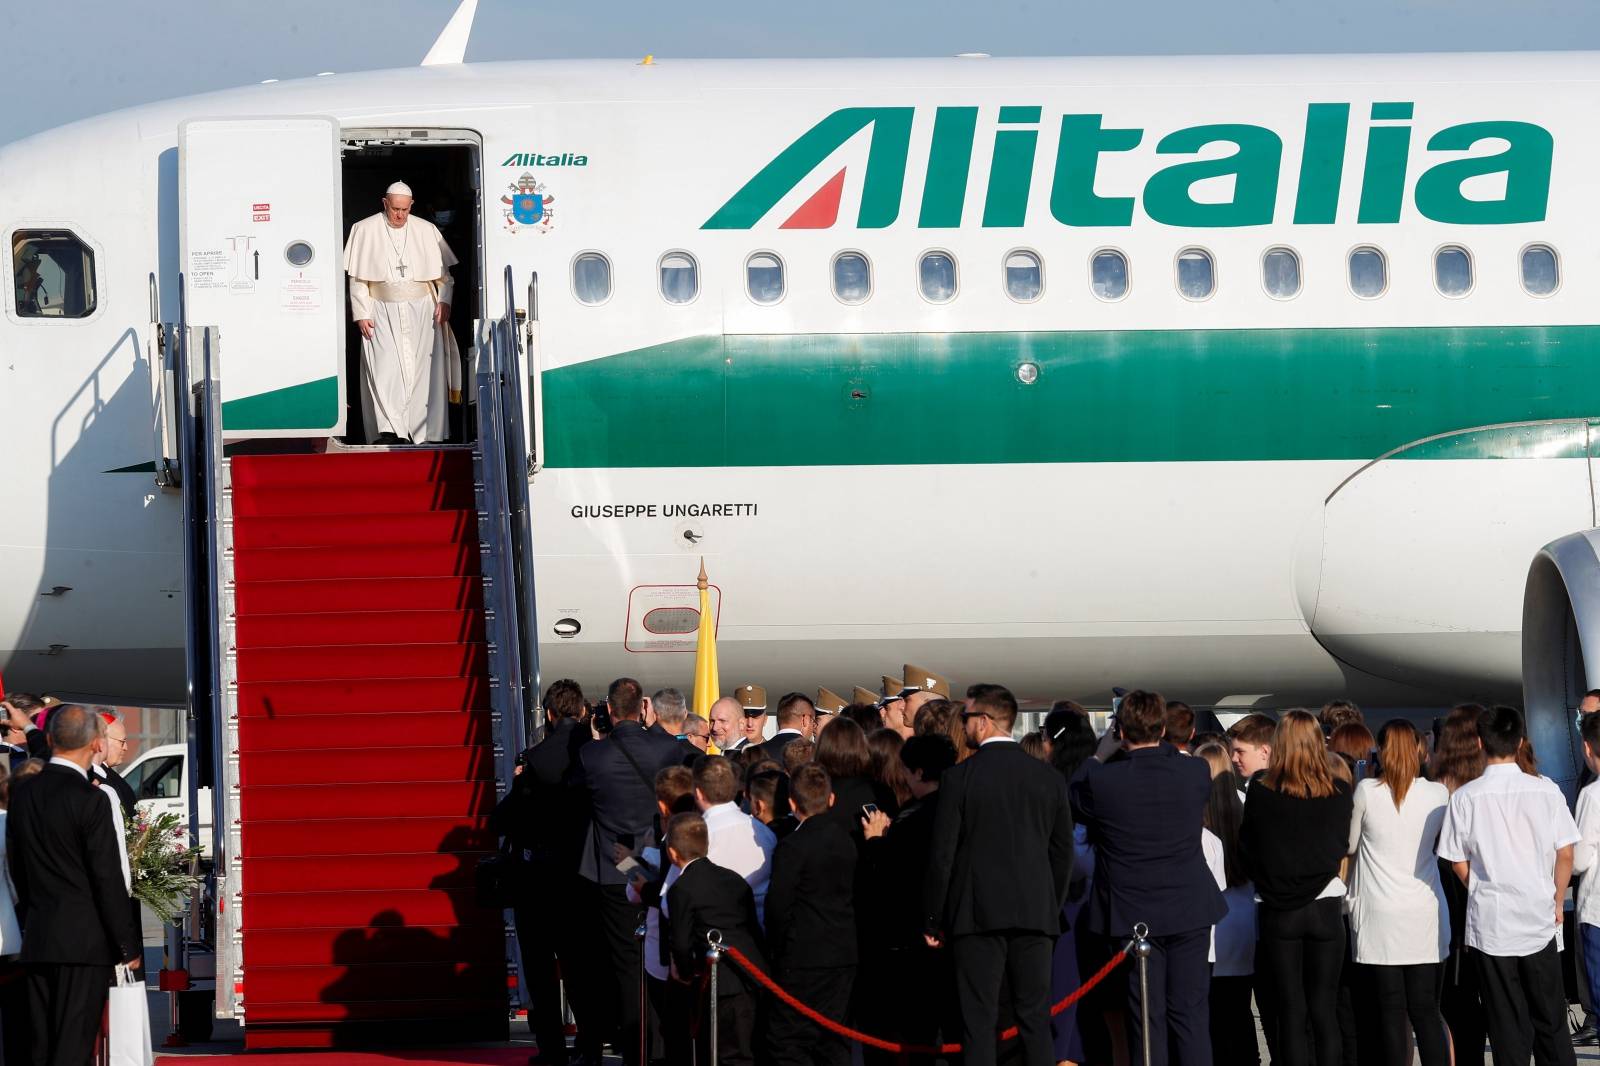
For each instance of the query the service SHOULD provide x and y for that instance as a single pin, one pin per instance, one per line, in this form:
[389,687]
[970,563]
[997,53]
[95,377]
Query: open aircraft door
[262,254]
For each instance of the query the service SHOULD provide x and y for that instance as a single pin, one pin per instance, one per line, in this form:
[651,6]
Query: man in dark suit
[705,897]
[797,719]
[116,754]
[997,878]
[672,718]
[546,822]
[73,903]
[811,926]
[1144,807]
[618,775]
[23,740]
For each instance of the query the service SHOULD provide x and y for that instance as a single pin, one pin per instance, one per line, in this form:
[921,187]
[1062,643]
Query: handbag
[128,1012]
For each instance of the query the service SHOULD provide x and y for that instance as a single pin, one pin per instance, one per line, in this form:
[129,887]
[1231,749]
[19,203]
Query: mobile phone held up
[602,718]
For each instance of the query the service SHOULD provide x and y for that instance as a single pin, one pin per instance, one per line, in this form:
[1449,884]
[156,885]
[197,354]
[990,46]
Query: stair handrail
[209,403]
[517,498]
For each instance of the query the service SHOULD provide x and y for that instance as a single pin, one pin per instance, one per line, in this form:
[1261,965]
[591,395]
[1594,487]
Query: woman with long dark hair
[842,751]
[1076,1033]
[1458,758]
[1294,835]
[1233,1028]
[889,781]
[1398,915]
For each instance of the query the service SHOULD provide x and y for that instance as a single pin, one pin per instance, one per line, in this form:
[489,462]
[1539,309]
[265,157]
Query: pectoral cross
[402,269]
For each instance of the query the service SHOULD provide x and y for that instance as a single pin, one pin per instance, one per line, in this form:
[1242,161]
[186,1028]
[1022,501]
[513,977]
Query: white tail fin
[451,47]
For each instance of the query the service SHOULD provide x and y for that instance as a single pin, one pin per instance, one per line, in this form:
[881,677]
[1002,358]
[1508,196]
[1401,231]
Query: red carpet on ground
[510,1056]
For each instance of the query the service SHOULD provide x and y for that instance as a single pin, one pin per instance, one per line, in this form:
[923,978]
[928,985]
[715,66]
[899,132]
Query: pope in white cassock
[400,290]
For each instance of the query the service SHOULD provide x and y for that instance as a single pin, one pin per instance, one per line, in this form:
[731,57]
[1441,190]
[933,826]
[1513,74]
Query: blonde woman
[1293,837]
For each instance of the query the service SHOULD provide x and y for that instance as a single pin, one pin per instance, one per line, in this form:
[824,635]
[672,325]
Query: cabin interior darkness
[444,178]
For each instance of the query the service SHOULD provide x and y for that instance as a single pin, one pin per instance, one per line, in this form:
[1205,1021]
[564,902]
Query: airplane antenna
[451,47]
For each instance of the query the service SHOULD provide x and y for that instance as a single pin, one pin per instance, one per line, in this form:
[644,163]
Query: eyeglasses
[118,740]
[967,716]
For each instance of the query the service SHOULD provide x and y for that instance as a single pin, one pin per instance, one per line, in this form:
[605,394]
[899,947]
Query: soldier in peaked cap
[864,695]
[921,686]
[829,702]
[753,700]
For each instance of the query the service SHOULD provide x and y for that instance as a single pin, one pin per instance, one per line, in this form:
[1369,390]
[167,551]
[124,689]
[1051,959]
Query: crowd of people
[67,914]
[906,865]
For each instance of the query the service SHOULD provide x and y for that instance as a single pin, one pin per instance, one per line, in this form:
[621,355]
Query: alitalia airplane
[1257,380]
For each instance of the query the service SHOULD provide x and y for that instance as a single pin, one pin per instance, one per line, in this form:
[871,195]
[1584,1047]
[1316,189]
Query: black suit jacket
[810,899]
[543,814]
[62,847]
[36,746]
[774,747]
[1002,845]
[897,869]
[622,799]
[124,791]
[1144,810]
[705,897]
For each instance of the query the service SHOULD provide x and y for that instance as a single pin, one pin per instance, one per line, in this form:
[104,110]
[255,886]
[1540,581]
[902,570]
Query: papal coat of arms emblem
[526,206]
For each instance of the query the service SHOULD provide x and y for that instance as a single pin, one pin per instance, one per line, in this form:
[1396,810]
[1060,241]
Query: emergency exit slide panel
[262,252]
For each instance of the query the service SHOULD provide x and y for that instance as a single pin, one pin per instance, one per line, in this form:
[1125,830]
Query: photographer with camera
[545,823]
[617,775]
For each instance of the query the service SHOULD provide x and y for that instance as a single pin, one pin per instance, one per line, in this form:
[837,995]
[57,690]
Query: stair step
[312,502]
[359,627]
[346,1025]
[355,911]
[375,981]
[351,468]
[356,530]
[362,660]
[400,695]
[317,946]
[462,800]
[294,596]
[453,728]
[382,834]
[358,873]
[394,761]
[378,560]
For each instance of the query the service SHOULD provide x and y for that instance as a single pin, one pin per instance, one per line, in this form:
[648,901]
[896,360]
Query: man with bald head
[77,925]
[400,293]
[727,724]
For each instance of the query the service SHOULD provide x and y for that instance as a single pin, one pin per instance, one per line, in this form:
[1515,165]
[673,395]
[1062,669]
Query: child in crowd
[1510,838]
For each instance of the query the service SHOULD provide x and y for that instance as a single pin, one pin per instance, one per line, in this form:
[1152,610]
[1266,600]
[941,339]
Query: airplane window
[591,278]
[1541,271]
[680,278]
[52,275]
[1108,274]
[936,277]
[1369,273]
[852,277]
[1280,273]
[1024,276]
[1197,275]
[1452,271]
[763,278]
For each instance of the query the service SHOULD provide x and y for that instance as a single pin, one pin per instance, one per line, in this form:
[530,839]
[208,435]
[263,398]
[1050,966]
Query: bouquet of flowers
[163,864]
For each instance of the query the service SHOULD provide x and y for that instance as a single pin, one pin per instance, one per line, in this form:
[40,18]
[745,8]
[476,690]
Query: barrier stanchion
[644,1002]
[713,956]
[1141,951]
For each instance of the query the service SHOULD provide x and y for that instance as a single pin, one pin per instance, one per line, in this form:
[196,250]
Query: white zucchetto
[399,188]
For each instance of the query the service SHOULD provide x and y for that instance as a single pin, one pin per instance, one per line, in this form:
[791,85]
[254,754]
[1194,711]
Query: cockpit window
[52,275]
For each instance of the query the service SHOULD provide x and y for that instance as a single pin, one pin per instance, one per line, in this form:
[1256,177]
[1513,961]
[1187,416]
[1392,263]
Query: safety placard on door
[300,294]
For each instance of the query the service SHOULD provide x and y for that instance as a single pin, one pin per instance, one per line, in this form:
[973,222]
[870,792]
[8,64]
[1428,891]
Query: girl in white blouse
[1398,915]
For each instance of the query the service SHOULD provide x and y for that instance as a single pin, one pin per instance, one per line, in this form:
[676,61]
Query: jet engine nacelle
[1561,650]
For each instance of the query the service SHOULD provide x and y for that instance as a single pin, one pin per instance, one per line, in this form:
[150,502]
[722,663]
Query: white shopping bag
[129,1012]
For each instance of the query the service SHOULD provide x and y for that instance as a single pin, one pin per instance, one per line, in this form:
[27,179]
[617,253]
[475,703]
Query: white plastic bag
[129,1011]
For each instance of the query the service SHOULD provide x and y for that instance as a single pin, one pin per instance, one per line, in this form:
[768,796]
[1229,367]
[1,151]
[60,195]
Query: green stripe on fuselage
[1142,396]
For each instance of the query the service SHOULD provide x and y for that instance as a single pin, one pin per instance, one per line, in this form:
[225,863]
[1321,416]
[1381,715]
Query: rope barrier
[867,1039]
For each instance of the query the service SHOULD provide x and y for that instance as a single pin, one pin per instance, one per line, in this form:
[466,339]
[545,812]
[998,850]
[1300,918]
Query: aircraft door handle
[258,266]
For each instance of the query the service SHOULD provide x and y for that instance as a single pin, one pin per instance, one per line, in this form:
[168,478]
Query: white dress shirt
[1397,905]
[1508,826]
[652,916]
[742,844]
[1586,853]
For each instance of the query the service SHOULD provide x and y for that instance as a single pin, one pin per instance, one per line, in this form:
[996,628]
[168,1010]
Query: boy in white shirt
[1588,908]
[1510,839]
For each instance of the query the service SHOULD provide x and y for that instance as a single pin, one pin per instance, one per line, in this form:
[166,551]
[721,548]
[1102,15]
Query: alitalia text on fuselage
[1514,156]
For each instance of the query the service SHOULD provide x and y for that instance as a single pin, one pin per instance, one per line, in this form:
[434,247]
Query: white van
[159,778]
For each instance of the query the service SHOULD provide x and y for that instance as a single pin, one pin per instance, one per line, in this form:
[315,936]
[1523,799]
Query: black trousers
[673,1003]
[67,1004]
[616,984]
[1233,1027]
[1525,1007]
[541,976]
[795,1040]
[736,1032]
[982,960]
[1301,952]
[1408,1002]
[1180,1013]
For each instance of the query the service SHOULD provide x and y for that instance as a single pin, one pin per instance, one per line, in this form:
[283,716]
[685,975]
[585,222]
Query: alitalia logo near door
[1512,158]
